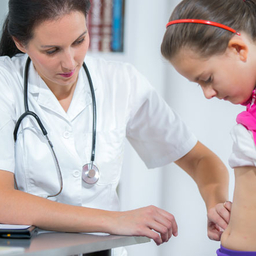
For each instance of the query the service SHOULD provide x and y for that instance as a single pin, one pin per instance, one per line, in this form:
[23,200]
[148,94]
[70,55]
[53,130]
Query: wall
[170,187]
[211,121]
[3,11]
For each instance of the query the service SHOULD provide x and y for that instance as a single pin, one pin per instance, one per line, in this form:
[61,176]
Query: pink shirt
[248,118]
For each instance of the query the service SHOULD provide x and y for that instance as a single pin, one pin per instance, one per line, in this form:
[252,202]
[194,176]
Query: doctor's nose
[68,61]
[209,92]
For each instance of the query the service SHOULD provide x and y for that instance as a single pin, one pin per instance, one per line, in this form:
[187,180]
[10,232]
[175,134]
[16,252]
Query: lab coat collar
[45,98]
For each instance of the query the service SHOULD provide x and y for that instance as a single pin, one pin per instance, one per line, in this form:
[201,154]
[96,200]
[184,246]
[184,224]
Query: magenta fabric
[248,118]
[226,252]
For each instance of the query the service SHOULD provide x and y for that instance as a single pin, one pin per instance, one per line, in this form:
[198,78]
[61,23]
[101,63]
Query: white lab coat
[127,107]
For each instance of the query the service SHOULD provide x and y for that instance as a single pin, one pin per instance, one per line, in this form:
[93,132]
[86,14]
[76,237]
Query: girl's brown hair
[208,40]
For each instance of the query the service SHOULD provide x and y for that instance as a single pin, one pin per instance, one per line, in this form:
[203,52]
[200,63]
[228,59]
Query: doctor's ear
[19,45]
[238,46]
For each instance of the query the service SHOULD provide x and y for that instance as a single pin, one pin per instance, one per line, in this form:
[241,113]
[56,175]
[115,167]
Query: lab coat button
[76,173]
[66,134]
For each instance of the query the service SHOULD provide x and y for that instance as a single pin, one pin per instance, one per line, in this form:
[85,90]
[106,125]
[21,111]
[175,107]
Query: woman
[53,35]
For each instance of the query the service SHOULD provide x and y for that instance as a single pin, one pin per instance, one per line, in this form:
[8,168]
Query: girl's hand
[150,221]
[218,219]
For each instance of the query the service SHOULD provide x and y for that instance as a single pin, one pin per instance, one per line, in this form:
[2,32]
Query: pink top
[248,118]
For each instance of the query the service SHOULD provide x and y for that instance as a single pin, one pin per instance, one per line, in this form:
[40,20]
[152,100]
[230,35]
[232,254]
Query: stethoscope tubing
[94,109]
[43,129]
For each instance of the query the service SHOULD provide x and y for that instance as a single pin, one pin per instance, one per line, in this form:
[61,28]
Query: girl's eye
[208,81]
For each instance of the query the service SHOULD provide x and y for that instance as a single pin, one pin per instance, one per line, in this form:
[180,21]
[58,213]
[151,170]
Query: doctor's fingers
[164,224]
[168,220]
[161,233]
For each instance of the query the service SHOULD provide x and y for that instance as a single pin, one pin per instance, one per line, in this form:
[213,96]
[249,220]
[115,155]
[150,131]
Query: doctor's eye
[52,51]
[79,41]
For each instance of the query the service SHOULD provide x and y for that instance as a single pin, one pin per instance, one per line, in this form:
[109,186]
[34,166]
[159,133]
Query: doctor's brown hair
[208,40]
[25,15]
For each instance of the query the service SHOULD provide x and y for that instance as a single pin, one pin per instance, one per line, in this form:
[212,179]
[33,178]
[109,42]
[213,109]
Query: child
[213,43]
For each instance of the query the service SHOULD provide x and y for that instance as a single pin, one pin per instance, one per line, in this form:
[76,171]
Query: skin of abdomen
[240,234]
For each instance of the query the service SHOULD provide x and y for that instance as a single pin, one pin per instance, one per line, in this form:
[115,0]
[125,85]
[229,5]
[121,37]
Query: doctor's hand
[150,221]
[218,219]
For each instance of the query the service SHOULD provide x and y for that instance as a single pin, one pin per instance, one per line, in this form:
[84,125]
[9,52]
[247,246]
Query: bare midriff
[240,234]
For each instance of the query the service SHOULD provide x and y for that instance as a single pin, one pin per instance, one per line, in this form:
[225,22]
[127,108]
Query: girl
[213,43]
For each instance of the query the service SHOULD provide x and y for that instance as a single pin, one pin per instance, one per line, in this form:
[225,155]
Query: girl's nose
[209,92]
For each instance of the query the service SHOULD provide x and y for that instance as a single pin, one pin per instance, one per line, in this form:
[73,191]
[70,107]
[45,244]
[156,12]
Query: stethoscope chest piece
[90,174]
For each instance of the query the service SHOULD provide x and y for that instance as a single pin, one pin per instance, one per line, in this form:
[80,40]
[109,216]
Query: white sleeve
[155,131]
[10,84]
[244,149]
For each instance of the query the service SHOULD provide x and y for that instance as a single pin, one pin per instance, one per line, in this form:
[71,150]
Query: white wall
[3,11]
[211,121]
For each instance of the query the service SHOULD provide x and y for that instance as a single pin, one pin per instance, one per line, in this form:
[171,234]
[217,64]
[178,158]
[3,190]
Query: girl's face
[230,76]
[58,49]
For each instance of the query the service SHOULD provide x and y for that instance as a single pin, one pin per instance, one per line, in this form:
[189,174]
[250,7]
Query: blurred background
[211,121]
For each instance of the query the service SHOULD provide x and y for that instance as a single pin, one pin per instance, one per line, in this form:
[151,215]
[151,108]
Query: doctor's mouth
[68,75]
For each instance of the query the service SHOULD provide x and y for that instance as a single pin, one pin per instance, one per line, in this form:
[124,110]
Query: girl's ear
[19,45]
[238,46]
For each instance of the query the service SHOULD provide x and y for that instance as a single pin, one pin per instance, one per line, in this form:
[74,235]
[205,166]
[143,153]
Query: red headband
[206,22]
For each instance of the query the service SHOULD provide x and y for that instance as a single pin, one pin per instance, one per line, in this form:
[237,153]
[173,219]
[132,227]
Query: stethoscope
[90,173]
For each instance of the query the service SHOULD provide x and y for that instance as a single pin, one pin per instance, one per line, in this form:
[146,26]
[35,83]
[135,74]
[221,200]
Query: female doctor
[63,127]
